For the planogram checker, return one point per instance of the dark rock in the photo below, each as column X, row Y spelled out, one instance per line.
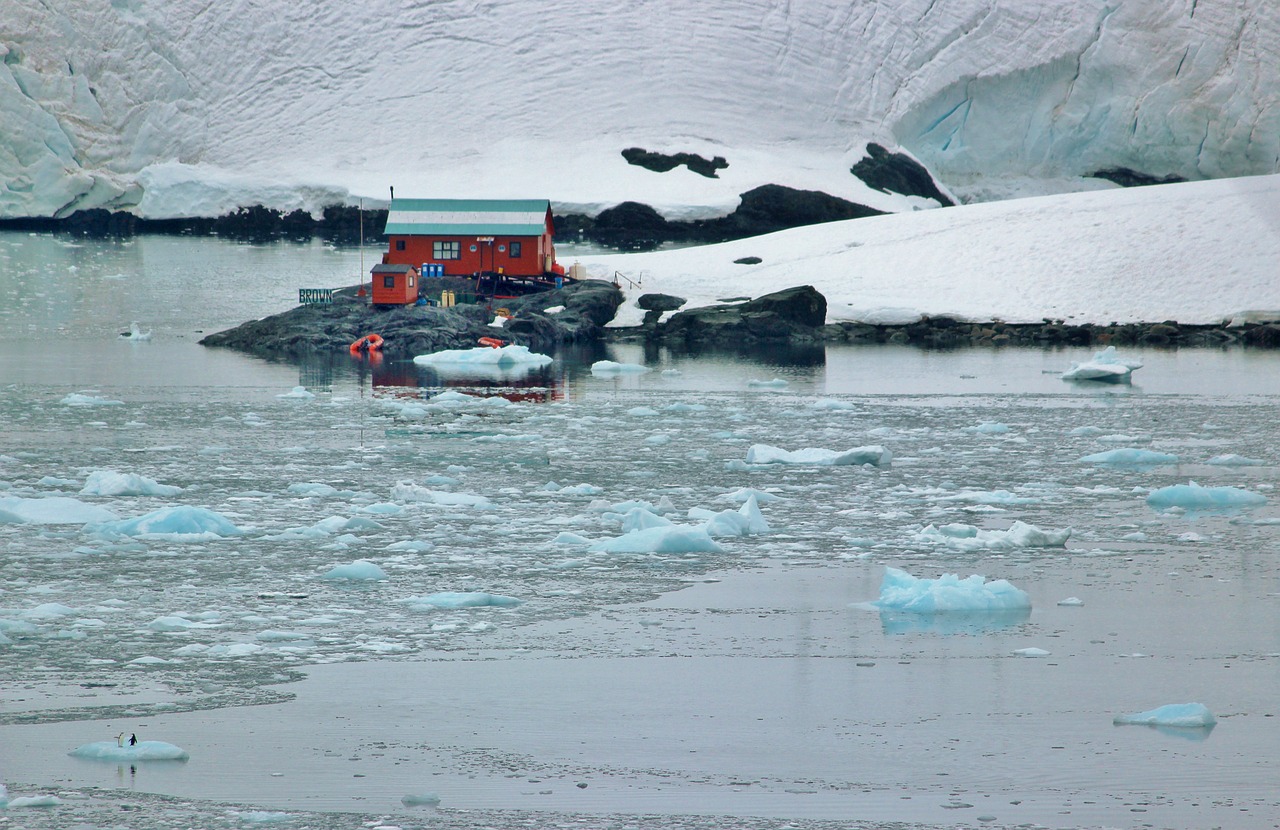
column 748, row 260
column 662, row 162
column 793, row 314
column 898, row 173
column 1125, row 177
column 1267, row 335
column 413, row 330
column 660, row 302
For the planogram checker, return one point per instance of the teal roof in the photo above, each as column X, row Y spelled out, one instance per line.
column 468, row 217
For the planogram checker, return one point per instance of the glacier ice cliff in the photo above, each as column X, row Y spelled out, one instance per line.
column 173, row 108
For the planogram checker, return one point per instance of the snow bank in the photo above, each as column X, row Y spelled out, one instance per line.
column 1184, row 715
column 814, row 456
column 948, row 594
column 142, row 751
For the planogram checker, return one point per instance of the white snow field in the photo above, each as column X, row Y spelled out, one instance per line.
column 181, row 107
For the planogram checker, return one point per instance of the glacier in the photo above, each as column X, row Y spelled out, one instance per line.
column 173, row 108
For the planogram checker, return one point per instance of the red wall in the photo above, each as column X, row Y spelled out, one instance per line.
column 486, row 257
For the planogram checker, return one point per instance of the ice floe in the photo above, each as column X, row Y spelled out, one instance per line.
column 968, row 537
column 362, row 570
column 900, row 591
column 112, row 483
column 142, row 751
column 181, row 523
column 52, row 510
column 875, row 455
column 1130, row 457
column 1181, row 715
column 1106, row 366
column 1192, row 496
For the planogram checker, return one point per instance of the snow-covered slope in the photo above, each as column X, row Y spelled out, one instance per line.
column 1200, row 252
column 180, row 107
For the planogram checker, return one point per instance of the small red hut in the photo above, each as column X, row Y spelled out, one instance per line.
column 468, row 237
column 394, row 284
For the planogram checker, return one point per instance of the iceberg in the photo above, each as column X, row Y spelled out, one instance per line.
column 142, row 751
column 174, row 523
column 607, row 368
column 1181, row 715
column 111, row 483
column 503, row 363
column 875, row 455
column 948, row 594
column 1130, row 457
column 672, row 539
column 54, row 510
column 1019, row 535
column 1192, row 496
column 1106, row 366
column 455, row 599
column 360, row 570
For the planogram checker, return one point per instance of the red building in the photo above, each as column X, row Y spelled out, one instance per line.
column 394, row 284
column 472, row 237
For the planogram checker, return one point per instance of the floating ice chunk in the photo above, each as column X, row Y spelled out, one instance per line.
column 174, row 622
column 142, row 751
column 579, row 490
column 604, row 368
column 1183, row 715
column 273, row 636
column 1031, row 652
column 360, row 570
column 671, row 373
column 383, row 509
column 948, row 593
column 1233, row 460
column 1194, row 497
column 411, row 546
column 744, row 493
column 1087, row 431
column 642, row 411
column 54, row 510
column 773, row 383
column 684, row 407
column 832, row 405
column 80, row 399
column 1130, row 457
column 1105, row 366
column 408, row 491
column 1019, row 535
column 989, row 428
column 640, row 518
column 989, row 497
column 48, row 611
column 181, row 523
column 136, row 333
column 33, row 801
column 299, row 393
column 673, row 539
column 454, row 599
column 1071, row 602
column 511, row 355
column 111, row 483
column 570, row 539
column 262, row 816
column 421, row 799
column 744, row 521
column 814, row 456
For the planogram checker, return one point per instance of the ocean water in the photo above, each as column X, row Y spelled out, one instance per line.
column 752, row 686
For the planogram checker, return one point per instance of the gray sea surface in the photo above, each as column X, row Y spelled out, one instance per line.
column 754, row 687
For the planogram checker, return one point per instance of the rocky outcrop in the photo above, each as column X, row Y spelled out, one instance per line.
column 898, row 173
column 794, row 314
column 414, row 330
column 662, row 162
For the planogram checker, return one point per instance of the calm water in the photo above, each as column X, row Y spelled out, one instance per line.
column 750, row 687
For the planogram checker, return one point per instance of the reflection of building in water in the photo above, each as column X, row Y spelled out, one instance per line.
column 539, row 385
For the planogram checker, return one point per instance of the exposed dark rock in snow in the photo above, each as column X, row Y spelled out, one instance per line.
column 662, row 162
column 414, row 330
column 1125, row 177
column 791, row 314
column 748, row 260
column 898, row 173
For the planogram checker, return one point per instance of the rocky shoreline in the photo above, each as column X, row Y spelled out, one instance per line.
column 579, row 312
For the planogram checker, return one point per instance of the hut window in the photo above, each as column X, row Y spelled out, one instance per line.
column 399, row 244
column 389, row 281
column 446, row 250
column 515, row 249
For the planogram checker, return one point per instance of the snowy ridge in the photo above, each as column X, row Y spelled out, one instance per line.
column 180, row 107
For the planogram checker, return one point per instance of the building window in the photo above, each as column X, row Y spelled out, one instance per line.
column 515, row 249
column 399, row 244
column 502, row 248
column 389, row 281
column 473, row 249
column 411, row 280
column 446, row 250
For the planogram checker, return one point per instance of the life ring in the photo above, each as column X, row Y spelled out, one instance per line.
column 368, row 343
column 492, row 342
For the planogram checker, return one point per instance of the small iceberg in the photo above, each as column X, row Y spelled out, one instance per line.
column 511, row 362
column 817, row 457
column 142, row 751
column 948, row 594
column 135, row 333
column 362, row 570
column 1106, row 366
column 1180, row 715
column 608, row 368
column 1130, row 457
column 179, row 524
column 1192, row 496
